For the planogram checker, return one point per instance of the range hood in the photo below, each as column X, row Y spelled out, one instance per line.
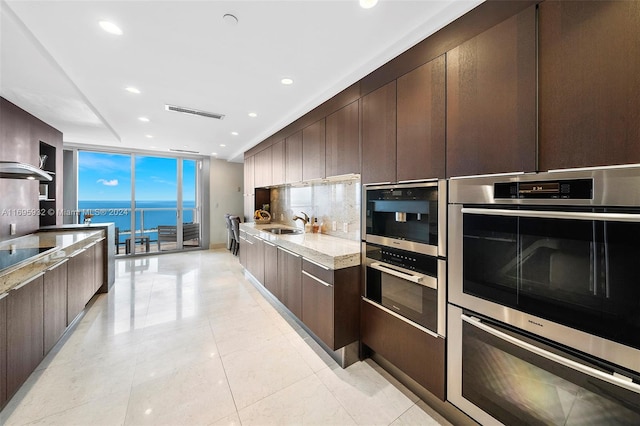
column 15, row 170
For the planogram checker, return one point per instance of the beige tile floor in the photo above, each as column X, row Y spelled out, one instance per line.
column 185, row 339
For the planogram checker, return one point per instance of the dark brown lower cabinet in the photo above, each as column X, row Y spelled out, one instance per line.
column 256, row 258
column 55, row 304
column 25, row 335
column 99, row 262
column 418, row 354
column 271, row 268
column 3, row 350
column 80, row 277
column 330, row 303
column 243, row 251
column 290, row 280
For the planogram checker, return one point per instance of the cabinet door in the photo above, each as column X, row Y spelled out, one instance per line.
column 244, row 249
column 262, row 168
column 257, row 259
column 278, row 163
column 55, row 304
column 248, row 207
column 491, row 100
column 79, row 272
column 317, row 307
column 313, row 151
column 25, row 332
column 271, row 268
column 99, row 262
column 418, row 354
column 293, row 156
column 589, row 81
column 3, row 350
column 290, row 277
column 421, row 122
column 343, row 141
column 379, row 135
column 249, row 181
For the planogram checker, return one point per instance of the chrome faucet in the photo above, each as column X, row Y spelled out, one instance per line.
column 304, row 219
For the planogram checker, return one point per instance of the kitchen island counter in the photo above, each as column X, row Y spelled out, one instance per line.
column 58, row 244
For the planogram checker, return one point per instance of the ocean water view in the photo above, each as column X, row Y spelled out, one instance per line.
column 147, row 213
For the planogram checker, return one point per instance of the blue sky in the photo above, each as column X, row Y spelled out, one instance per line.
column 107, row 177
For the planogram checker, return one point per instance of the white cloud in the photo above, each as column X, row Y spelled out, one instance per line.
column 112, row 182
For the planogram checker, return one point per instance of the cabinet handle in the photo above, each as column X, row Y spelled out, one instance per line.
column 268, row 243
column 35, row 277
column 313, row 277
column 616, row 380
column 326, row 268
column 612, row 217
column 77, row 252
column 62, row 262
column 377, row 183
column 290, row 252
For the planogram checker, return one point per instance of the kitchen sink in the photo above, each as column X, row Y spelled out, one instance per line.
column 283, row 231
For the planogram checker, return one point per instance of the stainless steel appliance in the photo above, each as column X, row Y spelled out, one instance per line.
column 408, row 284
column 409, row 216
column 404, row 248
column 544, row 296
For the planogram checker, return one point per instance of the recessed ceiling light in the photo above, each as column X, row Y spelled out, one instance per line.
column 145, row 119
column 234, row 133
column 253, row 115
column 286, row 81
column 148, row 136
column 132, row 89
column 222, row 145
column 110, row 27
column 214, row 153
column 368, row 4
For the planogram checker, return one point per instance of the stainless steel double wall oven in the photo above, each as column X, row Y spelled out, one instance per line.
column 404, row 230
column 544, row 297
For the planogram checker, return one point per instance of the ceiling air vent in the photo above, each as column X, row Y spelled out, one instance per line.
column 186, row 151
column 193, row 112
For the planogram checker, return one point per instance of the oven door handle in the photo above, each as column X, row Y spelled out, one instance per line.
column 615, row 217
column 418, row 279
column 617, row 380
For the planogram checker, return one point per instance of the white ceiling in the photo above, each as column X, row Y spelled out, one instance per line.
column 59, row 65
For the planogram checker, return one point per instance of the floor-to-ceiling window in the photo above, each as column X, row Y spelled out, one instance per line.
column 152, row 200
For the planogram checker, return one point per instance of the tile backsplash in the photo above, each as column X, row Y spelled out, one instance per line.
column 333, row 201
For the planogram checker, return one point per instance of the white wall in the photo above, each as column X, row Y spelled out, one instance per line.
column 226, row 183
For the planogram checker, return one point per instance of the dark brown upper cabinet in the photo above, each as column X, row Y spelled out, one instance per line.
column 313, row 151
column 343, row 141
column 293, row 158
column 262, row 168
column 491, row 100
column 379, row 135
column 278, row 163
column 249, row 180
column 589, row 76
column 421, row 122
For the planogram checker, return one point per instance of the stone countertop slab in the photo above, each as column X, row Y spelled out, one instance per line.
column 329, row 251
column 61, row 243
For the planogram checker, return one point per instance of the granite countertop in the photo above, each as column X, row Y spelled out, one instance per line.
column 327, row 250
column 61, row 244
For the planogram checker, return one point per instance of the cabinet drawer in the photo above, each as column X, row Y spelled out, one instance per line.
column 418, row 354
column 319, row 271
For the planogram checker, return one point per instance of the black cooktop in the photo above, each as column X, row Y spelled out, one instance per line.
column 10, row 257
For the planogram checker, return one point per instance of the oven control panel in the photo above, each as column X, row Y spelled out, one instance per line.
column 576, row 189
column 405, row 259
